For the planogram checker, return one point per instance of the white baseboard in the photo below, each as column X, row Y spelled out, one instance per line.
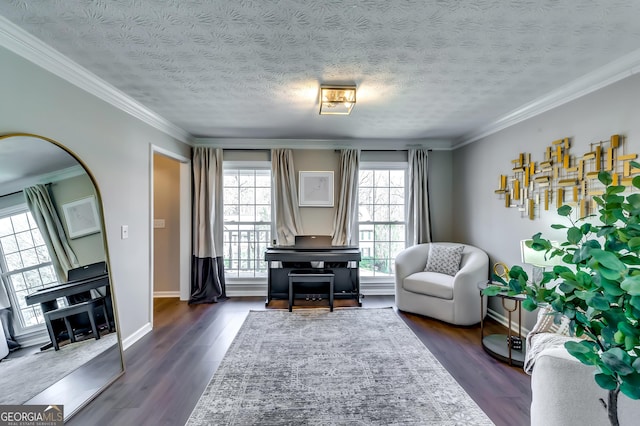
column 137, row 335
column 159, row 294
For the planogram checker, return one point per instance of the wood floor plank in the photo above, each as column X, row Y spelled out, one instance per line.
column 169, row 368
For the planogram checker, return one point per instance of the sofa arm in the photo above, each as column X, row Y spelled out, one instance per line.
column 409, row 261
column 564, row 393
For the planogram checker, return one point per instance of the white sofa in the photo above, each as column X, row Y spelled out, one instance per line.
column 453, row 299
column 563, row 390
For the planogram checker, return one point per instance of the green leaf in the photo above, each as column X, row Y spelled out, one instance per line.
column 634, row 201
column 608, row 260
column 599, row 302
column 605, row 178
column 529, row 305
column 634, row 244
column 611, row 287
column 617, row 360
column 605, row 381
column 636, row 182
column 584, row 351
column 565, row 210
column 492, row 290
column 631, row 285
column 631, row 390
column 574, row 235
column 558, row 226
column 615, row 189
column 635, row 302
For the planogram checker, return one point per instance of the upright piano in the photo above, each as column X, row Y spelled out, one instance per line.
column 310, row 252
column 78, row 289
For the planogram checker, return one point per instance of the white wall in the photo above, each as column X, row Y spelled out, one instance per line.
column 115, row 147
column 480, row 216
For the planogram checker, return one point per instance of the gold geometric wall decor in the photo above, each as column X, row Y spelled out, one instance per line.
column 563, row 178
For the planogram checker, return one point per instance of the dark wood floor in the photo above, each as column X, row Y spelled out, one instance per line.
column 169, row 368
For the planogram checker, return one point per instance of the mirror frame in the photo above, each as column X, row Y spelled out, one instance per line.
column 100, row 208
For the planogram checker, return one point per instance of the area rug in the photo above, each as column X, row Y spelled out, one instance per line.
column 22, row 378
column 348, row 367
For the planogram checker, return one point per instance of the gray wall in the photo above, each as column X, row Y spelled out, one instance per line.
column 115, row 147
column 480, row 216
column 89, row 248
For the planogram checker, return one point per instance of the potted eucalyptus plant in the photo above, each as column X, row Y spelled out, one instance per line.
column 597, row 287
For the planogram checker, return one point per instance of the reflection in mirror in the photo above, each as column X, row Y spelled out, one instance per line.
column 58, row 330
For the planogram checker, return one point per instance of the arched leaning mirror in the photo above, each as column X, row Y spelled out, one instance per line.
column 59, row 342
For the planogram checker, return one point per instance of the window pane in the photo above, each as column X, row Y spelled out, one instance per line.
column 381, row 215
column 381, row 195
column 381, row 178
column 230, row 178
column 26, row 266
column 263, row 196
column 264, row 180
column 14, row 261
column 230, row 195
column 366, row 178
column 9, row 244
column 20, row 222
column 247, row 213
column 396, row 178
column 24, row 240
column 365, row 195
column 247, row 196
column 396, row 213
column 5, row 226
column 245, row 242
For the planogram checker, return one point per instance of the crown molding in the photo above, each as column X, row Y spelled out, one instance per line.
column 365, row 144
column 613, row 72
column 20, row 42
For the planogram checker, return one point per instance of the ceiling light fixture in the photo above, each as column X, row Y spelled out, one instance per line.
column 337, row 100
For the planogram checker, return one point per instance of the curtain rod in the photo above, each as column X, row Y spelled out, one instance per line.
column 11, row 193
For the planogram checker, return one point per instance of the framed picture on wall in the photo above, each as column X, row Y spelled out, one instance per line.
column 81, row 217
column 315, row 189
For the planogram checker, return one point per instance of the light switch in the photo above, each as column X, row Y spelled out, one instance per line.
column 124, row 231
column 158, row 223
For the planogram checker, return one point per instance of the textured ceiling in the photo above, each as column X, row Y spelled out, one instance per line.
column 252, row 69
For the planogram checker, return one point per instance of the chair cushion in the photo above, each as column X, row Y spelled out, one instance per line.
column 430, row 284
column 444, row 259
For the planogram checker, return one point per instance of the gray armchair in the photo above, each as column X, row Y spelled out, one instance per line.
column 453, row 299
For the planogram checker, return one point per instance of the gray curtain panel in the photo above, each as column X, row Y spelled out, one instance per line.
column 345, row 221
column 207, row 269
column 418, row 218
column 285, row 206
column 46, row 216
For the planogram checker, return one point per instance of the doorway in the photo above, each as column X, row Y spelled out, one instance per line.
column 171, row 226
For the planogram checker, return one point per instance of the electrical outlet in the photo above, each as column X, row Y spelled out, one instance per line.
column 124, row 232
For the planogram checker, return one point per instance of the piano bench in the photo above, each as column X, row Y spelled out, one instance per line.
column 321, row 277
column 89, row 307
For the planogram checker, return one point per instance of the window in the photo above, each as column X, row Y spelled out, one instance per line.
column 381, row 219
column 247, row 221
column 25, row 265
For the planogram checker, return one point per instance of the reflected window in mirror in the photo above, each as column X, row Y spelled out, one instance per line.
column 25, row 264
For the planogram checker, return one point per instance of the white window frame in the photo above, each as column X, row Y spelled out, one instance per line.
column 18, row 321
column 250, row 165
column 377, row 165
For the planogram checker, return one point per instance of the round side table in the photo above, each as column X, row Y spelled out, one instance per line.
column 510, row 347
